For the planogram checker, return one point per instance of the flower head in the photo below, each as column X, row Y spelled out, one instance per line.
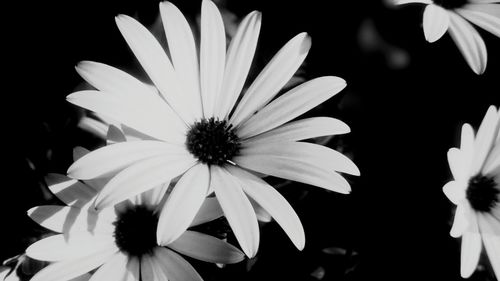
column 121, row 240
column 452, row 16
column 196, row 126
column 476, row 192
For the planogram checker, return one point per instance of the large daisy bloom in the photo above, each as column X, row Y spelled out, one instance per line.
column 453, row 16
column 195, row 125
column 119, row 241
column 476, row 192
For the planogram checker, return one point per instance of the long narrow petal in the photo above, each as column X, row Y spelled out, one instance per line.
column 461, row 221
column 471, row 250
column 65, row 270
column 295, row 170
column 154, row 196
column 133, row 269
column 183, row 204
column 292, row 104
column 150, row 269
column 237, row 209
column 458, row 165
column 436, row 21
column 71, row 219
column 157, row 65
column 301, row 130
column 467, row 146
column 212, row 56
column 314, row 154
column 141, row 177
column 209, row 211
column 469, row 42
column 114, row 269
column 93, row 126
column 239, row 59
column 112, row 158
column 183, row 52
column 274, row 203
column 78, row 245
column 486, row 134
column 206, row 248
column 70, row 191
column 175, row 267
column 145, row 116
column 455, row 191
column 490, row 232
column 484, row 16
column 273, row 77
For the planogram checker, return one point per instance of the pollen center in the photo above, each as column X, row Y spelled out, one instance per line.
column 482, row 193
column 135, row 231
column 212, row 141
column 451, row 4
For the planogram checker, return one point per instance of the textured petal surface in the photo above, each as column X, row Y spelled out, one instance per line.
column 485, row 137
column 273, row 77
column 436, row 21
column 70, row 191
column 485, row 16
column 206, row 248
column 209, row 211
column 175, row 267
column 114, row 269
column 237, row 209
column 292, row 104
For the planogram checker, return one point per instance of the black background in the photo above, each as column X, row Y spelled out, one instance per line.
column 405, row 102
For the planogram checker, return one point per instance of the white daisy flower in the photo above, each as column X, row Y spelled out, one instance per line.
column 452, row 16
column 196, row 126
column 476, row 192
column 120, row 241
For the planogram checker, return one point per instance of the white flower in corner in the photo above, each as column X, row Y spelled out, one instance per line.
column 196, row 127
column 119, row 241
column 452, row 16
column 476, row 192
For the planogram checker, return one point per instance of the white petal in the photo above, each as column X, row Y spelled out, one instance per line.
column 183, row 52
column 153, row 118
column 64, row 270
column 491, row 238
column 486, row 134
column 109, row 79
column 458, row 165
column 209, row 211
column 484, row 16
column 93, row 126
column 295, row 170
column 273, row 77
column 212, row 56
column 79, row 152
column 154, row 196
column 469, row 42
column 70, row 191
column 260, row 212
column 183, row 204
column 313, row 154
column 239, row 59
column 114, row 269
column 175, row 266
column 292, row 104
column 206, row 248
column 115, row 135
column 455, row 191
column 471, row 250
column 462, row 220
column 302, row 129
column 436, row 21
column 151, row 270
column 76, row 245
column 467, row 146
column 237, row 209
column 274, row 203
column 133, row 269
column 71, row 219
column 142, row 176
column 115, row 157
column 157, row 65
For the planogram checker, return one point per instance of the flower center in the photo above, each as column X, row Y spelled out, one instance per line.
column 451, row 4
column 135, row 231
column 212, row 141
column 482, row 193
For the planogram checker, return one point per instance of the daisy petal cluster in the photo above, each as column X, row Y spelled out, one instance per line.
column 119, row 241
column 198, row 125
column 454, row 16
column 476, row 192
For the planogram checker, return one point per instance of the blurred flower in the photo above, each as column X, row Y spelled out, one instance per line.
column 451, row 15
column 196, row 127
column 121, row 238
column 476, row 192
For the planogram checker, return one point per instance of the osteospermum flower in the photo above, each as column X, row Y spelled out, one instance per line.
column 476, row 192
column 452, row 16
column 120, row 241
column 196, row 127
